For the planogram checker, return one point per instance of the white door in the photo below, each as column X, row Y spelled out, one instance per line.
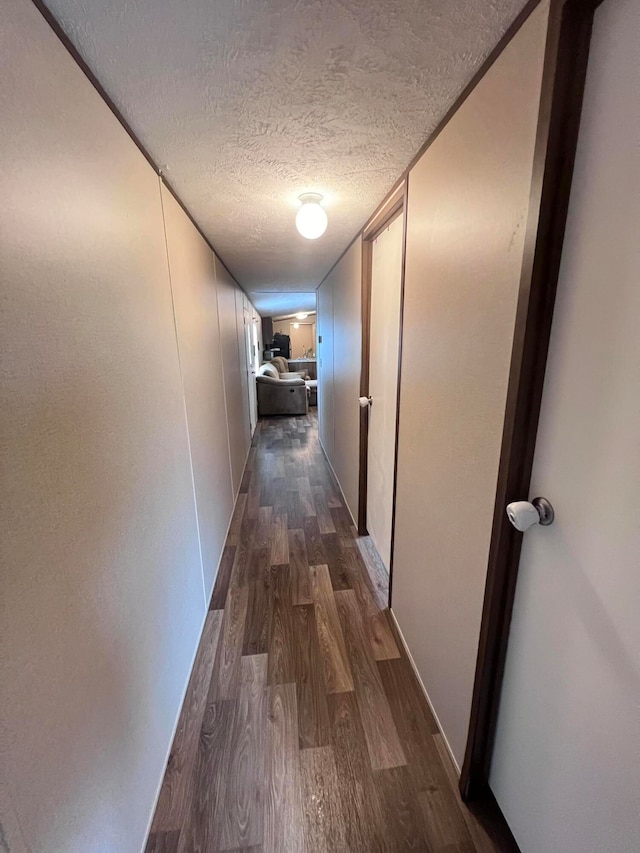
column 250, row 341
column 566, row 764
column 386, row 271
column 243, row 355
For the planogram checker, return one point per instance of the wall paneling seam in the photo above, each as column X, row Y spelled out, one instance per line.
column 234, row 494
column 405, row 213
column 342, row 495
column 184, row 398
column 154, row 805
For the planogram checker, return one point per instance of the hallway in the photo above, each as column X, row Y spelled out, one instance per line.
column 303, row 726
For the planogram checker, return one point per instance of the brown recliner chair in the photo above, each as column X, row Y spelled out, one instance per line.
column 282, row 366
column 277, row 396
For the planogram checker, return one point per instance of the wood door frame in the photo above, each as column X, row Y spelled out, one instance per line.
column 393, row 206
column 565, row 67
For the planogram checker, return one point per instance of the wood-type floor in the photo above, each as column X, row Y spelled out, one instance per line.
column 303, row 726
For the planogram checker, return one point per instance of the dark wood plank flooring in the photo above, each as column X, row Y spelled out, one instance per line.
column 304, row 728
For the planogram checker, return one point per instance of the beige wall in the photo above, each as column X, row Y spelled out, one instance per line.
column 103, row 593
column 240, row 300
column 235, row 389
column 340, row 352
column 467, row 214
column 193, row 284
column 303, row 338
column 326, row 420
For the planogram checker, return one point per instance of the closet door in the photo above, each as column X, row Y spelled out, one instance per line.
column 386, row 283
column 565, row 765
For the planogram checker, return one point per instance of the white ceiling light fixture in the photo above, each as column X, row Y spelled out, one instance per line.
column 311, row 219
column 296, row 325
column 301, row 316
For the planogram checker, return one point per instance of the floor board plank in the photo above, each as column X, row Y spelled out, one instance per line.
column 256, row 633
column 337, row 561
column 280, row 541
column 163, row 842
column 263, row 536
column 239, row 817
column 445, row 829
column 401, row 811
column 284, row 821
column 175, row 793
column 295, row 517
column 233, row 536
column 376, row 574
column 313, row 714
column 225, row 680
column 482, row 840
column 383, row 741
column 323, row 513
column 322, row 806
column 299, row 565
column 281, row 629
column 305, row 497
column 223, row 578
column 414, row 722
column 376, row 621
column 356, row 788
column 315, row 546
column 239, row 575
column 333, row 653
column 304, row 727
column 198, row 831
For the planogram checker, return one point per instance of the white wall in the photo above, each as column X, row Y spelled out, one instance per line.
column 103, row 593
column 303, row 338
column 241, row 303
column 340, row 324
column 235, row 389
column 468, row 201
column 193, row 285
column 565, row 768
column 326, row 421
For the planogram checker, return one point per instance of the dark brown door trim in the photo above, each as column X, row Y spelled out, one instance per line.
column 398, row 381
column 391, row 207
column 560, row 108
column 364, row 386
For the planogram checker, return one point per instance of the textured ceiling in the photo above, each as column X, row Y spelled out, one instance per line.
column 278, row 304
column 245, row 104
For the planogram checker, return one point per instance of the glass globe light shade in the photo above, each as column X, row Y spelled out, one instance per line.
column 311, row 219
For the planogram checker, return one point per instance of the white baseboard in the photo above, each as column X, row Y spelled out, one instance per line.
column 173, row 734
column 344, row 500
column 399, row 630
column 193, row 660
column 424, row 690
